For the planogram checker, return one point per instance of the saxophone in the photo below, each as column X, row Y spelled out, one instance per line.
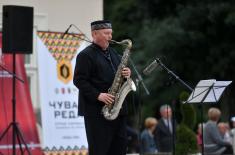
column 119, row 88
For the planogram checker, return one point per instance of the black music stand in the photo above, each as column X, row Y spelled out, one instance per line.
column 16, row 132
column 207, row 91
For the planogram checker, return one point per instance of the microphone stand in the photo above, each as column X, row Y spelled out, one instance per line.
column 76, row 35
column 139, row 77
column 11, row 73
column 172, row 74
column 87, row 39
column 139, row 80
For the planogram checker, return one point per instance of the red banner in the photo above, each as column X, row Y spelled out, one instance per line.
column 24, row 111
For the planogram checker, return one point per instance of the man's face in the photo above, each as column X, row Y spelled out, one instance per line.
column 102, row 37
column 166, row 113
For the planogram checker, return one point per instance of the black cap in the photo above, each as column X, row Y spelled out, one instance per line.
column 101, row 24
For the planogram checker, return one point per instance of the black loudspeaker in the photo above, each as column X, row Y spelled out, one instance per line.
column 17, row 31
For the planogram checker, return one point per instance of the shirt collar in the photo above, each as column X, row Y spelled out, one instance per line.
column 97, row 46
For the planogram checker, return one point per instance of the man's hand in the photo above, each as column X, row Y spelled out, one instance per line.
column 106, row 98
column 126, row 72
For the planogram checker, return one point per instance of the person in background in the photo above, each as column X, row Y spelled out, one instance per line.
column 147, row 144
column 213, row 141
column 225, row 132
column 164, row 130
column 233, row 133
column 199, row 137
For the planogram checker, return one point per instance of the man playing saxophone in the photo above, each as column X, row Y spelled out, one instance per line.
column 94, row 73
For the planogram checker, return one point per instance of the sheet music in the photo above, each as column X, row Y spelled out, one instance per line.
column 222, row 83
column 217, row 91
column 202, row 89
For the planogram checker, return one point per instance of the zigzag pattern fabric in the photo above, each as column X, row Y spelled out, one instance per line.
column 61, row 48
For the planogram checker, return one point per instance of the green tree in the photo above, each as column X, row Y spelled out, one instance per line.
column 186, row 141
column 193, row 38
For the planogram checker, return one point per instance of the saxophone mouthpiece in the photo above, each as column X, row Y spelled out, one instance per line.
column 126, row 42
column 113, row 42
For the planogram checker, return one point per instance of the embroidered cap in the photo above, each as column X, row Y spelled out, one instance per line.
column 101, row 24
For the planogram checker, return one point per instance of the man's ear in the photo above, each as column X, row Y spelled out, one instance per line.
column 93, row 33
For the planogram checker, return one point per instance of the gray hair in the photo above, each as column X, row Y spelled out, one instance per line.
column 163, row 107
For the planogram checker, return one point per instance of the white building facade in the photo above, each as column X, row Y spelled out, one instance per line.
column 55, row 16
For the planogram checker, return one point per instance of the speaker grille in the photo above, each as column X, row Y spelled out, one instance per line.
column 17, row 29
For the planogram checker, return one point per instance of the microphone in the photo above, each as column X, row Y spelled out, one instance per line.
column 150, row 67
column 67, row 30
column 75, row 35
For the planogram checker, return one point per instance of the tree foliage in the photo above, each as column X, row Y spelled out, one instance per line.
column 186, row 141
column 193, row 38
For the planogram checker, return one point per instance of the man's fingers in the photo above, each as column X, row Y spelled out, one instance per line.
column 106, row 98
column 125, row 69
column 111, row 96
column 126, row 72
column 109, row 100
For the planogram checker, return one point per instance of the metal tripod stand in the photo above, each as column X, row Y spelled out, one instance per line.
column 16, row 132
